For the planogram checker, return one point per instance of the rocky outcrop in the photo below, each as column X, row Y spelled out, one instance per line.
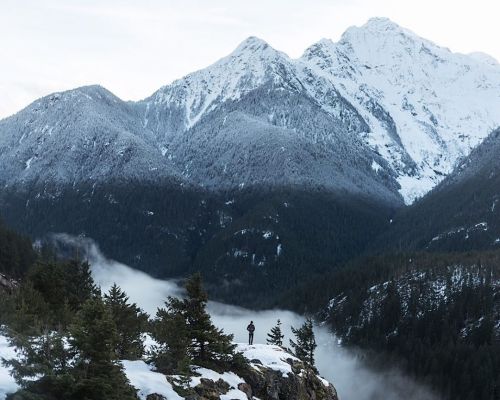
column 303, row 383
column 6, row 284
column 275, row 375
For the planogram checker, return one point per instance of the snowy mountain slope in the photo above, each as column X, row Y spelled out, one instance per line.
column 261, row 127
column 254, row 118
column 426, row 106
column 421, row 292
column 382, row 112
column 237, row 146
column 253, row 63
column 86, row 134
column 418, row 105
column 461, row 213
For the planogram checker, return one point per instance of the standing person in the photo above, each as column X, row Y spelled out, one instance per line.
column 251, row 330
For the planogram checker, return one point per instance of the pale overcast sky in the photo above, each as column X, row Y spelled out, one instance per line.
column 132, row 47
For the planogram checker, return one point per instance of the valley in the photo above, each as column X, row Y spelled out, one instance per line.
column 356, row 185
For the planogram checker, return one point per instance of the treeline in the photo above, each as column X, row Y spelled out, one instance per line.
column 437, row 316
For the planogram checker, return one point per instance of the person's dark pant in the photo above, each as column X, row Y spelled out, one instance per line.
column 250, row 338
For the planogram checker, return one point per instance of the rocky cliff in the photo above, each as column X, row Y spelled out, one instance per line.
column 271, row 374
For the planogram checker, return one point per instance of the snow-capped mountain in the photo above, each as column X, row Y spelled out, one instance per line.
column 381, row 113
column 86, row 134
column 461, row 213
column 425, row 106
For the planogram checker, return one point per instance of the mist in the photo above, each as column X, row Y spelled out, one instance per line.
column 344, row 368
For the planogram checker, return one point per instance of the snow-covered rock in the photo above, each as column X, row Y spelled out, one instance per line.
column 147, row 381
column 273, row 373
column 267, row 356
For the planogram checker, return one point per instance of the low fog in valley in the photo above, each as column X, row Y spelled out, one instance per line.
column 342, row 367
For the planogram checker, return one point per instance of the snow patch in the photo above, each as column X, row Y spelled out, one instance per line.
column 147, row 381
column 7, row 382
column 272, row 357
column 28, row 162
column 376, row 166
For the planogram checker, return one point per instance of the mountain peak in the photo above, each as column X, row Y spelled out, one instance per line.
column 253, row 46
column 381, row 23
column 253, row 43
column 375, row 27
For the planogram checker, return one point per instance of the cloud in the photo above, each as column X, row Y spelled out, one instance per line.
column 344, row 368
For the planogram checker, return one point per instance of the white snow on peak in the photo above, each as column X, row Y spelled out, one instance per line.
column 485, row 58
column 426, row 106
column 247, row 67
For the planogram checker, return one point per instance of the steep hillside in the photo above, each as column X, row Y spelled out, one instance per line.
column 83, row 135
column 425, row 106
column 261, row 239
column 260, row 166
column 461, row 213
column 382, row 112
column 436, row 316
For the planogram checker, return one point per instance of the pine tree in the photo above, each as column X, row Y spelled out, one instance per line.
column 94, row 338
column 186, row 335
column 208, row 344
column 64, row 286
column 130, row 322
column 306, row 342
column 275, row 337
column 169, row 329
column 44, row 355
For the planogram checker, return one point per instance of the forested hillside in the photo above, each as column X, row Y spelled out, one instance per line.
column 260, row 239
column 437, row 316
column 16, row 252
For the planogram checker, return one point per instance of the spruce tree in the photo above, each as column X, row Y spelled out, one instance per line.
column 169, row 329
column 306, row 342
column 209, row 344
column 205, row 344
column 275, row 337
column 64, row 286
column 93, row 338
column 44, row 357
column 130, row 323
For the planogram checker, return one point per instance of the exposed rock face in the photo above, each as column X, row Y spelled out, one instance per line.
column 267, row 384
column 6, row 284
column 302, row 384
column 271, row 374
column 155, row 396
